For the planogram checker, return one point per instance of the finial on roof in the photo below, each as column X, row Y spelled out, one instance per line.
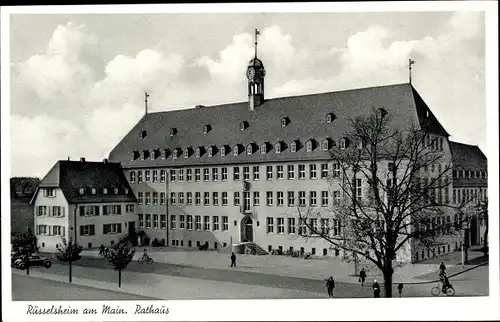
column 146, row 95
column 256, row 34
column 410, row 62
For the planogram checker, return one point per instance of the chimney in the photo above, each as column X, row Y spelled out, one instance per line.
column 69, row 159
column 105, row 161
column 82, row 159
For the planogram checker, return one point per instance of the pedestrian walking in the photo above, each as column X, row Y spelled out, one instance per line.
column 330, row 285
column 400, row 289
column 233, row 260
column 362, row 276
column 442, row 269
column 376, row 289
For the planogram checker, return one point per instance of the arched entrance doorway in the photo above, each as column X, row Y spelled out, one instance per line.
column 247, row 229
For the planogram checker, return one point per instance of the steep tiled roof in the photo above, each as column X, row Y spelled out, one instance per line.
column 306, row 120
column 70, row 176
column 466, row 156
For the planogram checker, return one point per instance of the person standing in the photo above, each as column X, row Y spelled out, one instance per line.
column 400, row 289
column 442, row 269
column 233, row 260
column 376, row 289
column 362, row 276
column 330, row 285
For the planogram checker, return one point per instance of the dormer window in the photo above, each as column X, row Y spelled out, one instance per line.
column 243, row 125
column 206, row 128
column 293, row 146
column 359, row 145
column 175, row 154
column 330, row 117
column 223, row 151
column 325, row 145
column 211, row 151
column 343, row 143
column 382, row 112
column 104, row 191
column 250, row 149
column 133, row 155
column 278, row 147
column 309, row 145
column 165, row 153
column 142, row 134
column 263, row 148
column 236, row 149
column 116, row 191
column 284, row 121
column 199, row 151
column 153, row 154
column 186, row 153
column 173, row 131
column 81, row 191
column 126, row 191
column 144, row 154
column 93, row 191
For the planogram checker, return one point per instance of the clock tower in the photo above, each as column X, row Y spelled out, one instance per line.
column 255, row 76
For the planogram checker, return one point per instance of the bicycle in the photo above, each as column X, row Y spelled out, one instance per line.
column 146, row 259
column 448, row 290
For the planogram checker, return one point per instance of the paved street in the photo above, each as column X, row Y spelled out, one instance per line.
column 168, row 281
column 27, row 288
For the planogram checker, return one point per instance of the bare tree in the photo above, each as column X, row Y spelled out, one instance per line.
column 119, row 256
column 390, row 191
column 483, row 215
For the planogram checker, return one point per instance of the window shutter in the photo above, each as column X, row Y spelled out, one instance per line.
column 50, row 230
column 104, row 229
column 82, row 211
column 119, row 228
column 63, row 231
column 97, row 210
column 81, row 230
column 62, row 211
column 37, row 230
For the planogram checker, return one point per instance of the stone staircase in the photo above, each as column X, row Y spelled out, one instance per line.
column 251, row 246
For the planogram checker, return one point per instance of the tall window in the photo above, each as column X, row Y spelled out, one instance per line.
column 256, row 198
column 236, row 173
column 189, row 198
column 181, row 198
column 281, row 225
column 224, row 198
column 155, row 221
column 291, row 172
column 302, row 198
column 324, row 198
column 291, row 226
column 206, row 198
column 279, row 172
column 324, row 170
column 279, row 198
column 269, row 172
column 336, row 197
column 215, row 198
column 148, row 221
column 302, row 171
column 206, row 174
column 197, row 198
column 141, row 220
column 197, row 222
column 336, row 169
column 148, row 175
column 324, row 226
column 139, row 176
column 189, row 222
column 215, row 223
column 359, row 190
column 172, row 198
column 215, row 174
column 197, row 174
column 182, row 221
column 224, row 174
column 225, row 223
column 132, row 177
column 236, row 198
column 256, row 173
column 155, row 175
column 172, row 175
column 163, row 221
column 155, row 198
column 162, row 198
column 246, row 200
column 270, row 225
column 291, row 199
column 312, row 199
column 189, row 174
column 312, row 171
column 206, row 223
column 246, row 173
column 181, row 174
column 140, row 198
column 269, row 198
column 148, row 198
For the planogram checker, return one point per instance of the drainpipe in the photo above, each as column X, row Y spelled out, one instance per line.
column 75, row 228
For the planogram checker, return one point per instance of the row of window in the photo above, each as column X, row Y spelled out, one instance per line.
column 91, row 210
column 110, row 228
column 469, row 174
column 293, row 198
column 291, row 171
column 330, row 117
column 48, row 230
column 279, row 147
column 325, row 226
column 461, row 195
column 51, row 211
column 157, row 222
column 105, row 191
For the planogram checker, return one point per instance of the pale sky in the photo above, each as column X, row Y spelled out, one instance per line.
column 78, row 81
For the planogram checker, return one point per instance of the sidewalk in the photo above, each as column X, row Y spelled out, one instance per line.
column 316, row 268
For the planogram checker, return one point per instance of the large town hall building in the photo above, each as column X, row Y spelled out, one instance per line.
column 232, row 173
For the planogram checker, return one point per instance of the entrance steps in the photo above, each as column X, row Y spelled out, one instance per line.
column 251, row 246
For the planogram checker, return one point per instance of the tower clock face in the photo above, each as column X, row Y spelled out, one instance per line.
column 262, row 73
column 250, row 73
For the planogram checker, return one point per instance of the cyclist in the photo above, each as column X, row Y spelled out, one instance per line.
column 444, row 280
column 145, row 255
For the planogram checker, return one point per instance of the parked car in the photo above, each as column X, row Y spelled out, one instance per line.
column 34, row 261
column 14, row 256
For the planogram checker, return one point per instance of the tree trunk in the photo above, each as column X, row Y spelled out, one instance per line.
column 388, row 271
column 70, row 272
column 120, row 278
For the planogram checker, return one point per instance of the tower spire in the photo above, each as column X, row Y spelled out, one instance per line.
column 256, row 34
column 410, row 62
column 146, row 95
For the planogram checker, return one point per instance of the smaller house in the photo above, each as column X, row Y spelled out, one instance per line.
column 90, row 203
